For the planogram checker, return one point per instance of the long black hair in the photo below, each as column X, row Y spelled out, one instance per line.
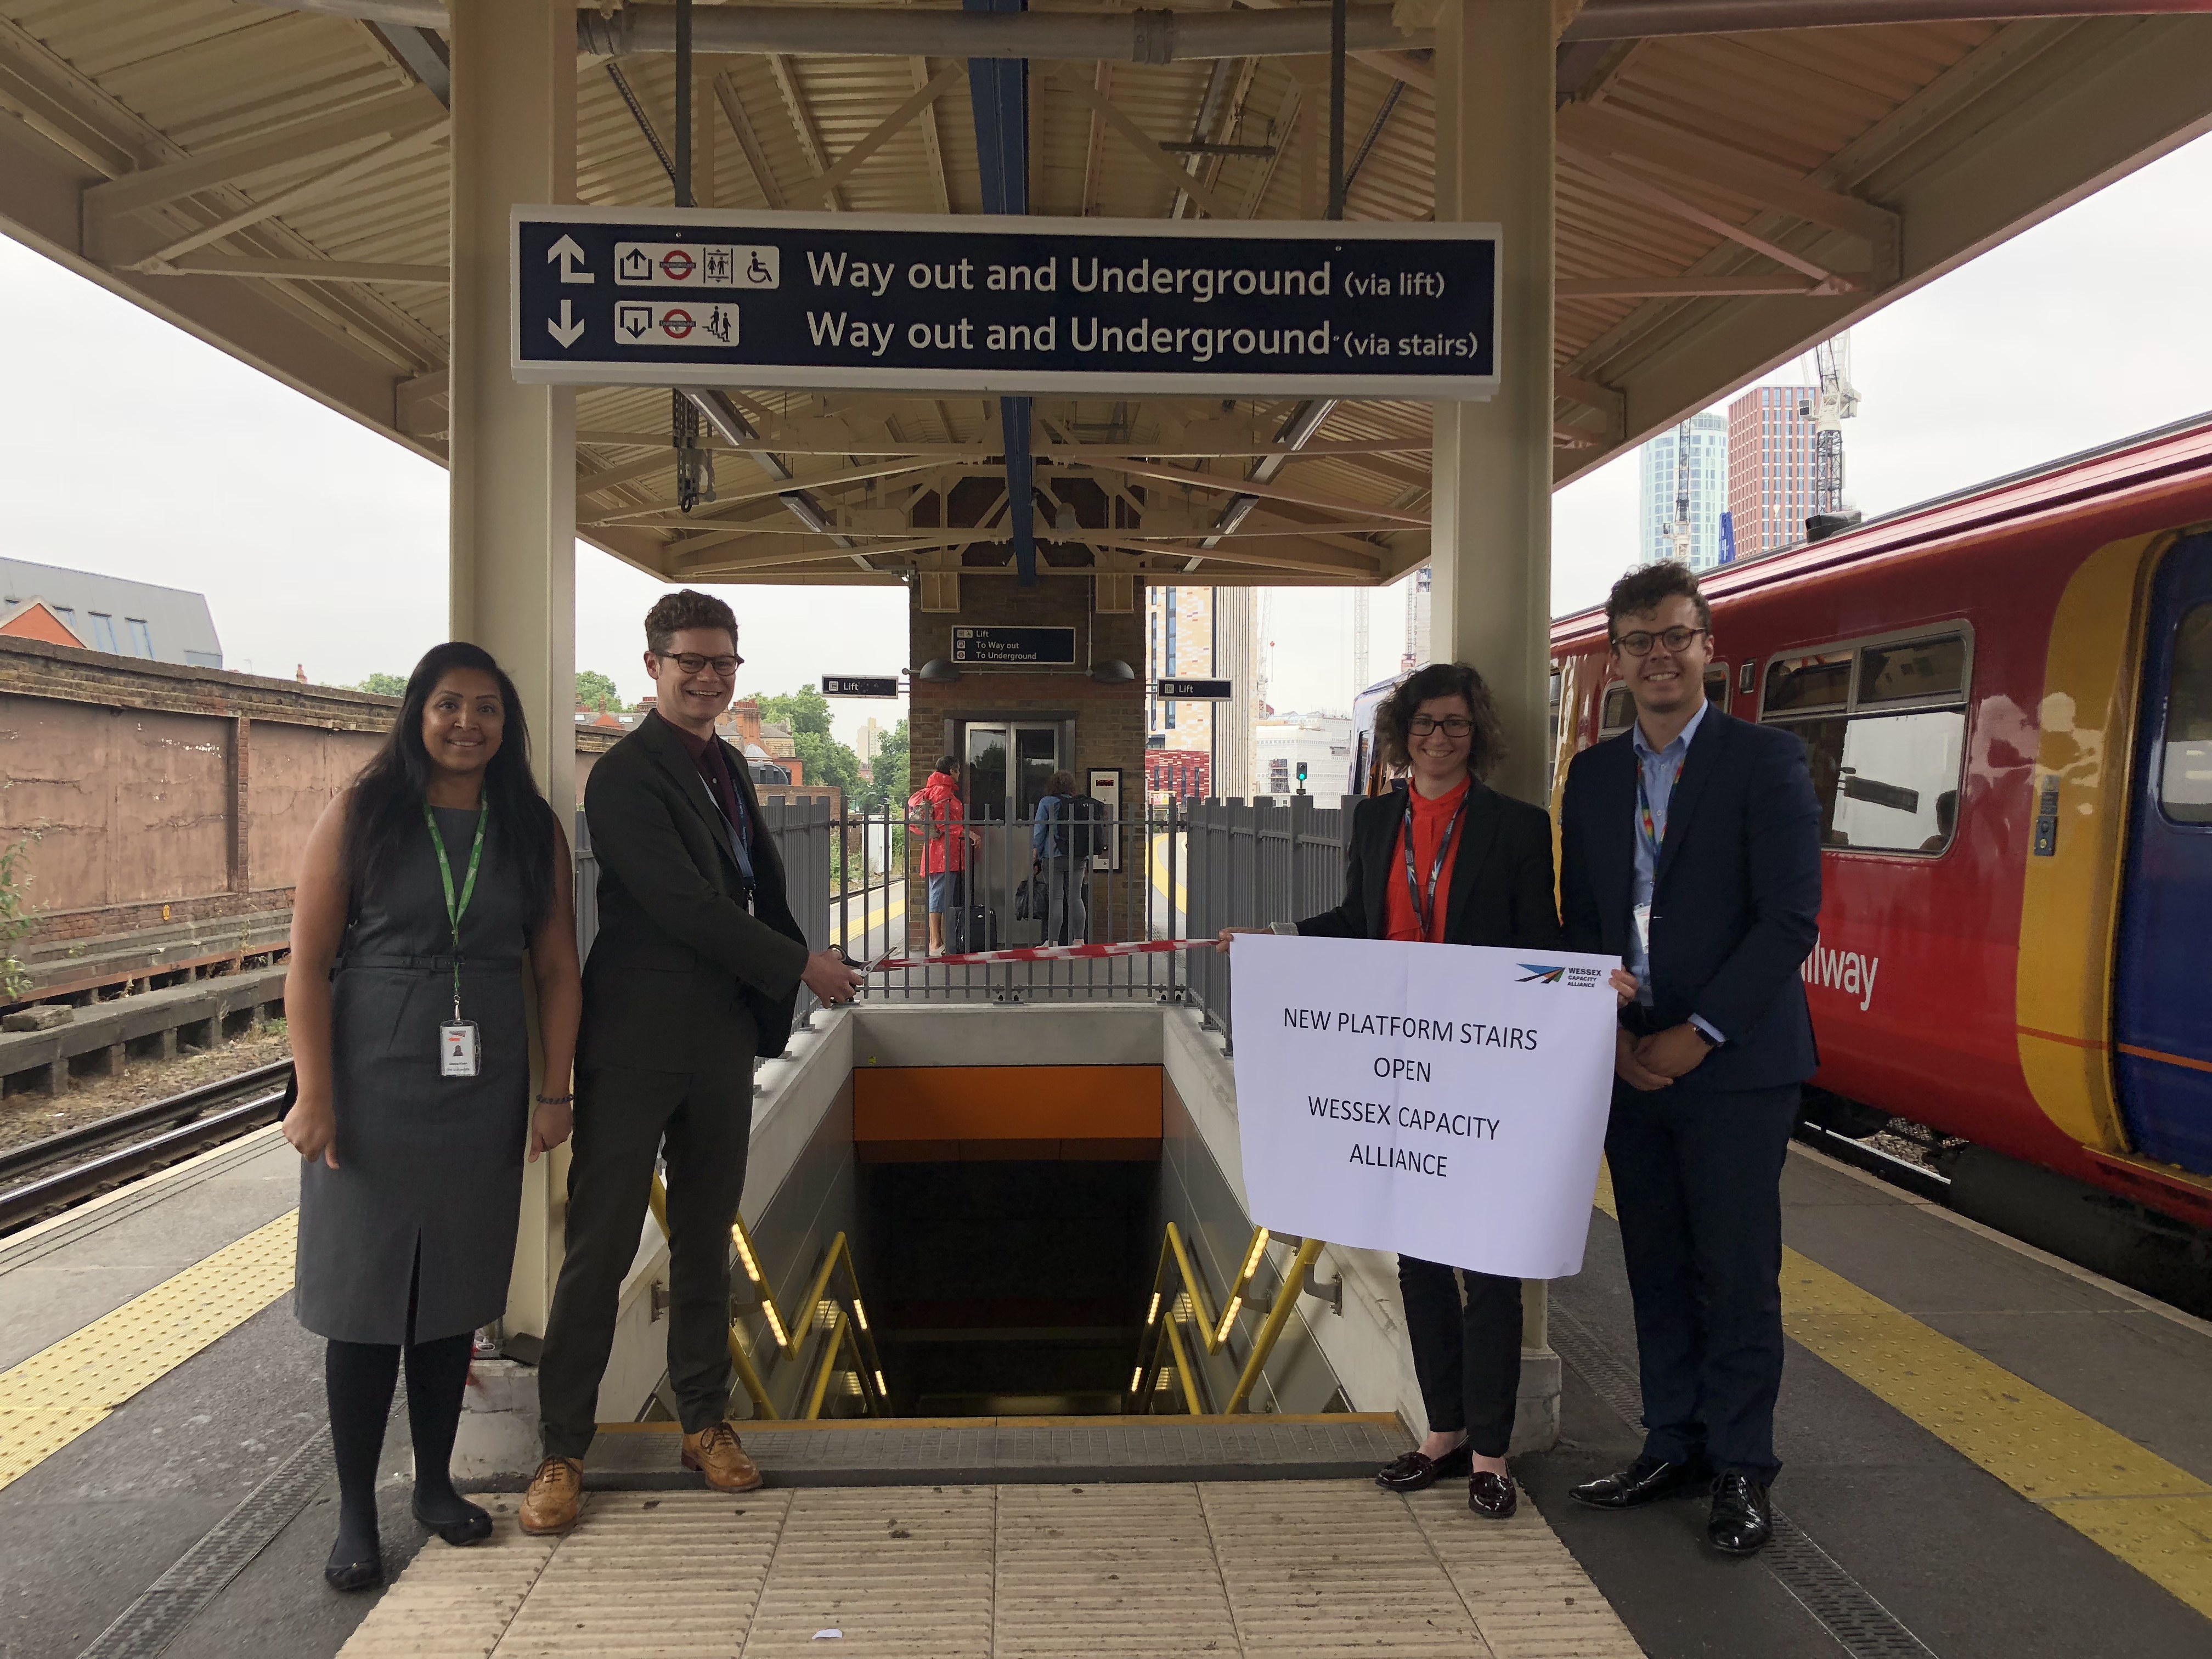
column 387, row 796
column 1393, row 720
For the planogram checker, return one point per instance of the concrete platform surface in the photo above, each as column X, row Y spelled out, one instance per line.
column 1017, row 1450
column 1288, row 1569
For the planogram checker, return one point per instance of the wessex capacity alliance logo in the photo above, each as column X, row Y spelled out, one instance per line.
column 1538, row 973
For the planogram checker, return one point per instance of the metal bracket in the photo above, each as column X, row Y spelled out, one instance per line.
column 1331, row 1293
column 660, row 1300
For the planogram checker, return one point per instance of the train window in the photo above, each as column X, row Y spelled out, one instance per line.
column 1619, row 712
column 1820, row 680
column 1917, row 671
column 2184, row 788
column 1885, row 763
column 1717, row 685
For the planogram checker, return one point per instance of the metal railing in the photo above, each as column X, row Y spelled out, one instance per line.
column 837, row 1316
column 1179, row 1298
column 1252, row 864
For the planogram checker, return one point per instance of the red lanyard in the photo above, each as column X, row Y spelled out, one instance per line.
column 1422, row 908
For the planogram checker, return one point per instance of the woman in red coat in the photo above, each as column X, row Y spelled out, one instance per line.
column 935, row 811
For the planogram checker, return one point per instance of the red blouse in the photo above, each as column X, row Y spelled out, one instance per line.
column 1430, row 817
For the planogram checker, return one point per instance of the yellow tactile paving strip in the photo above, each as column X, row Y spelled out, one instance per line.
column 2153, row 1515
column 61, row 1392
column 1263, row 1570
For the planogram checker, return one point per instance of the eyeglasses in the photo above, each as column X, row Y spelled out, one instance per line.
column 1639, row 643
column 1452, row 726
column 692, row 663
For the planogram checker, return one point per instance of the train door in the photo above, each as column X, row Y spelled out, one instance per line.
column 1009, row 767
column 2162, row 1043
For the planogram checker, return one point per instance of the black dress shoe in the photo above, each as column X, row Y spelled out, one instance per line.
column 1491, row 1496
column 1743, row 1520
column 471, row 1528
column 1411, row 1472
column 353, row 1575
column 1647, row 1481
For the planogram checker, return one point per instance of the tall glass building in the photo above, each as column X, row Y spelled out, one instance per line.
column 1688, row 463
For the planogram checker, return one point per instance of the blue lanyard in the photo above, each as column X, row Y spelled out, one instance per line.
column 1424, row 907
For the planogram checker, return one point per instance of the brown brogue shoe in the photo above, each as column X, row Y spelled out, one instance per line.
column 715, row 1453
column 556, row 1494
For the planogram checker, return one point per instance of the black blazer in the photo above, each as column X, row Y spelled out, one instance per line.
column 1501, row 884
column 1735, row 900
column 677, row 953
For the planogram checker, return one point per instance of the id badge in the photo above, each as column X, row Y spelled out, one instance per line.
column 457, row 1048
column 1642, row 915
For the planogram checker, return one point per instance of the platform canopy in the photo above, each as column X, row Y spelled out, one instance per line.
column 275, row 179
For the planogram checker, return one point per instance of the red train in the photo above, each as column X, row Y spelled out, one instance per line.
column 2006, row 698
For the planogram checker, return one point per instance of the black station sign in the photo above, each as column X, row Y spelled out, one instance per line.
column 636, row 297
column 859, row 685
column 1045, row 646
column 1194, row 690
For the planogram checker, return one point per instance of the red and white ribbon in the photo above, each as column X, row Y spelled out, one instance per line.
column 1042, row 953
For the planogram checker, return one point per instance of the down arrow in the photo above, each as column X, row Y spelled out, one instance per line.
column 567, row 329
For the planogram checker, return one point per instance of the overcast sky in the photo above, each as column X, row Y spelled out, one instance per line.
column 128, row 447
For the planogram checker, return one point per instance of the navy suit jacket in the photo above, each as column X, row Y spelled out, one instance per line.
column 1736, row 902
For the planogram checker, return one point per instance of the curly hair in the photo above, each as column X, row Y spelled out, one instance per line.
column 687, row 607
column 1643, row 589
column 1392, row 738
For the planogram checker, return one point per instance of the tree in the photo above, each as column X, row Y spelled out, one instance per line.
column 384, row 685
column 805, row 714
column 595, row 690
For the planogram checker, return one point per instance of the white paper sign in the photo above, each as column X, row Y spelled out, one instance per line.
column 1446, row 1101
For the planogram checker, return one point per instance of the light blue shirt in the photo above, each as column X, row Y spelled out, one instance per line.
column 1660, row 766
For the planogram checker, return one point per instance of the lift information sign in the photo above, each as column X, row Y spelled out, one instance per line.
column 1195, row 690
column 859, row 685
column 1052, row 646
column 632, row 297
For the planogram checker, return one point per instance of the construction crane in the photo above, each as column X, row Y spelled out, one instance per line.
column 1836, row 403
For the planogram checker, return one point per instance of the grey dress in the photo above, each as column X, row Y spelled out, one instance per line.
column 425, row 1163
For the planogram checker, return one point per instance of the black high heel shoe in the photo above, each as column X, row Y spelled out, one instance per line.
column 1413, row 1472
column 471, row 1528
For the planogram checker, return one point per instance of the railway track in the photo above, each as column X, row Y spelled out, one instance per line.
column 48, row 1175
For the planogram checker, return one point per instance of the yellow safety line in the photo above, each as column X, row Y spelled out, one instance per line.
column 63, row 1391
column 2151, row 1514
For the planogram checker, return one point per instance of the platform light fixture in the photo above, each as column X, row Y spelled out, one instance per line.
column 1112, row 672
column 937, row 671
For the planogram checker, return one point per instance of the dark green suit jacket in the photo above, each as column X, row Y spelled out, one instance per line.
column 677, row 955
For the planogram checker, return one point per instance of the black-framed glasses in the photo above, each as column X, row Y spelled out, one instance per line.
column 692, row 663
column 1639, row 643
column 1452, row 726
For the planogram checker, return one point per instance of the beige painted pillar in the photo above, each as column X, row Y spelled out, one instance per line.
column 1491, row 600
column 514, row 447
column 1491, row 541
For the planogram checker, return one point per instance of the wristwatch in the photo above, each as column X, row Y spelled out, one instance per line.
column 1704, row 1035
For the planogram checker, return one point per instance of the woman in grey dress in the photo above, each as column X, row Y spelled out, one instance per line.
column 426, row 890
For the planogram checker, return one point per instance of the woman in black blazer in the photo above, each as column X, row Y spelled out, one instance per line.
column 1479, row 872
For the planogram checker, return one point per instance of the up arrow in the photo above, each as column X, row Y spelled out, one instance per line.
column 571, row 258
column 568, row 328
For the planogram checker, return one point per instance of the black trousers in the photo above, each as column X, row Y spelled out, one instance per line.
column 1697, row 1180
column 624, row 1114
column 1466, row 1352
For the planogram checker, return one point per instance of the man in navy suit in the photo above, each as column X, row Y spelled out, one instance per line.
column 1691, row 848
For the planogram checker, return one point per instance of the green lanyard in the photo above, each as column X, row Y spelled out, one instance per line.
column 456, row 909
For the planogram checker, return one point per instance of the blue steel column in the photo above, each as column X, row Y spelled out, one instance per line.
column 999, row 89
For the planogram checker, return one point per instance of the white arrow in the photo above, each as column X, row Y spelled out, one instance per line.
column 566, row 329
column 571, row 257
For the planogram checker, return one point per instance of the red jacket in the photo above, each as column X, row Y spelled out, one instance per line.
column 940, row 817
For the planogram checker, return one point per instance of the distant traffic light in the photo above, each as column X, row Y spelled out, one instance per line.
column 1302, row 777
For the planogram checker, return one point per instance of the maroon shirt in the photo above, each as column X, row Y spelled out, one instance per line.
column 708, row 755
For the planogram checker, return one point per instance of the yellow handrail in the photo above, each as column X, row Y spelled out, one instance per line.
column 790, row 1338
column 1161, row 1345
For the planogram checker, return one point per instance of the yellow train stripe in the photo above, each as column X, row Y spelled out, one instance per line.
column 2131, row 1503
column 59, row 1393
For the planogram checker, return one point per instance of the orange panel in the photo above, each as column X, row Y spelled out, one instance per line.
column 1006, row 1102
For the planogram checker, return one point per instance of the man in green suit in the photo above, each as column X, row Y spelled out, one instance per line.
column 695, row 970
